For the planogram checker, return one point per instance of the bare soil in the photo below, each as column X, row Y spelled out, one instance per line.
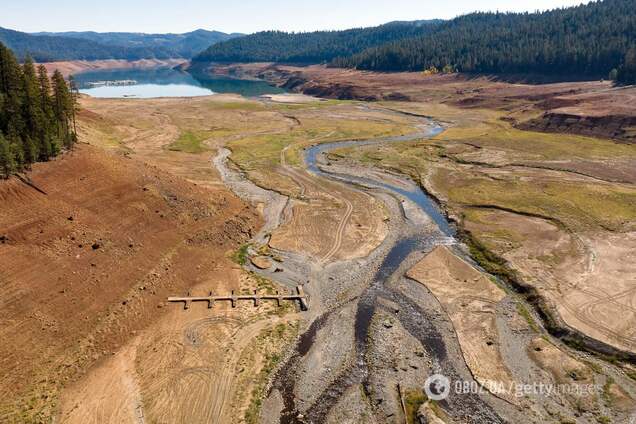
column 90, row 251
column 76, row 66
column 470, row 299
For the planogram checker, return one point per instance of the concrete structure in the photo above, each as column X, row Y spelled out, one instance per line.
column 256, row 298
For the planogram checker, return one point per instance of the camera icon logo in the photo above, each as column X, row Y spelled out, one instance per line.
column 437, row 387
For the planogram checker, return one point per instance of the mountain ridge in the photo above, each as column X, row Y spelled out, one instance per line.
column 91, row 45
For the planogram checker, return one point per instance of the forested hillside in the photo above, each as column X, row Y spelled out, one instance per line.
column 589, row 40
column 310, row 47
column 44, row 48
column 37, row 114
column 627, row 70
column 175, row 45
column 47, row 47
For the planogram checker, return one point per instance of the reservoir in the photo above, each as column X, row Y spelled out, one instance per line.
column 165, row 82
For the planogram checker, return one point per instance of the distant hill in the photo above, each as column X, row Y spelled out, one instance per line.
column 178, row 45
column 47, row 47
column 589, row 39
column 310, row 47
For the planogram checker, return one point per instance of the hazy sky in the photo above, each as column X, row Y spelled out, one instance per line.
column 237, row 15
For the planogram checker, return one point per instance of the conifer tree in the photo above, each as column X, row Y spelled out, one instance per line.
column 31, row 110
column 11, row 87
column 33, row 114
column 74, row 90
column 62, row 107
column 46, row 131
column 7, row 161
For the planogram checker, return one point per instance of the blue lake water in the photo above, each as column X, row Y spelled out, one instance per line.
column 167, row 82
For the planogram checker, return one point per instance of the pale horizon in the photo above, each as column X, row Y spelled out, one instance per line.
column 249, row 16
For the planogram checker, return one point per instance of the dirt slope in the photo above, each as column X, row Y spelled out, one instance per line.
column 89, row 253
column 76, row 66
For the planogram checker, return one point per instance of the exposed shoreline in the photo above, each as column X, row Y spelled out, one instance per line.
column 72, row 67
column 593, row 108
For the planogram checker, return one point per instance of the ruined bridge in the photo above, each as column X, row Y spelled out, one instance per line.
column 299, row 296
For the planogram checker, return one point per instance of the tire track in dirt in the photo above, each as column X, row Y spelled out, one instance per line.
column 223, row 389
column 298, row 179
column 342, row 223
column 112, row 395
column 340, row 232
column 583, row 313
column 196, row 389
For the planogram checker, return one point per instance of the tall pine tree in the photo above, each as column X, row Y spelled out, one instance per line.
column 35, row 115
column 7, row 161
column 46, row 133
column 31, row 111
column 62, row 108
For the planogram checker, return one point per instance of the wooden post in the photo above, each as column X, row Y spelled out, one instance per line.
column 399, row 389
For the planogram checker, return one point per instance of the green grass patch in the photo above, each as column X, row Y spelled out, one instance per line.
column 490, row 131
column 491, row 262
column 523, row 311
column 575, row 204
column 607, row 393
column 308, row 105
column 189, row 142
column 269, row 343
column 253, row 410
column 413, row 399
column 240, row 255
column 262, row 153
column 237, row 105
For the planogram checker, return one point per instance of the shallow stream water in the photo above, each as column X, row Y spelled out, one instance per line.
column 412, row 317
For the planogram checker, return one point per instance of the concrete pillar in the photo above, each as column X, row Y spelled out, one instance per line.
column 302, row 298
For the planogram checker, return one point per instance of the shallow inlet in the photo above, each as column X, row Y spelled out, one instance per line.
column 167, row 82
